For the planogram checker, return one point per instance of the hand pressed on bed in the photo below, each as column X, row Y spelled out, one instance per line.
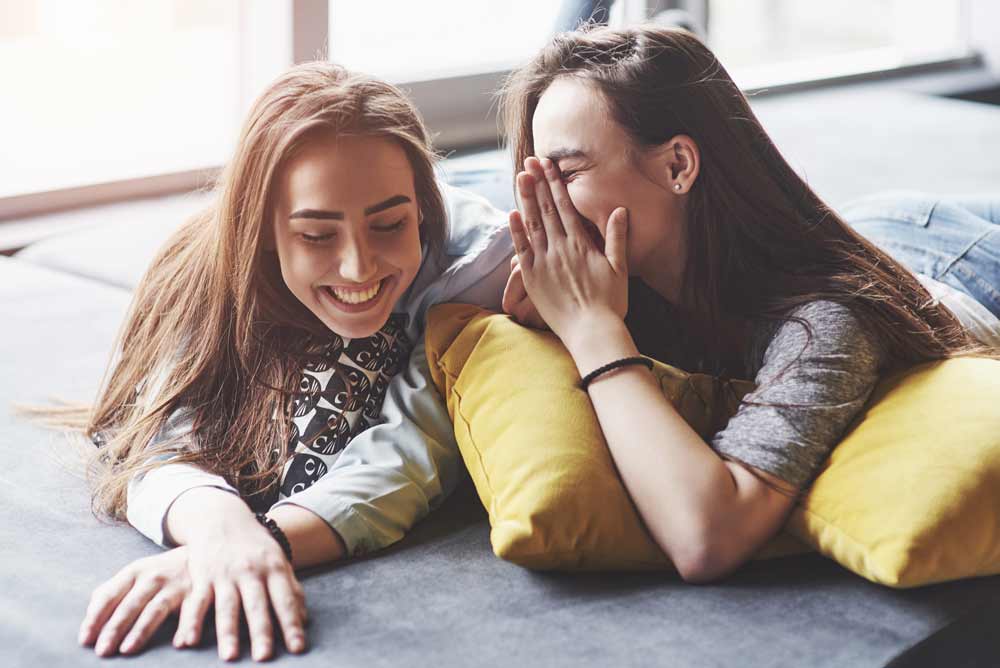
column 571, row 282
column 242, row 567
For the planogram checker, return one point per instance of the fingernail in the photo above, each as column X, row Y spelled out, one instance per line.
column 127, row 645
column 192, row 638
column 296, row 643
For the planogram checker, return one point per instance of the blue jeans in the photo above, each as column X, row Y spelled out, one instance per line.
column 953, row 240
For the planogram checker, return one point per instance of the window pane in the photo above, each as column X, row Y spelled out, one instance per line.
column 419, row 40
column 105, row 90
column 753, row 33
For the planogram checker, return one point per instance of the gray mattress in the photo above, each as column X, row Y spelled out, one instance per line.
column 440, row 598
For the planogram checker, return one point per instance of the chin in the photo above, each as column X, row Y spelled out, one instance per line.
column 356, row 330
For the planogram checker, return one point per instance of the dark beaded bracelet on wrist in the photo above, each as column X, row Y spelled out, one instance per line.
column 610, row 366
column 276, row 533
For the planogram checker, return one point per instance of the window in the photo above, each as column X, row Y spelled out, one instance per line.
column 112, row 90
column 415, row 41
column 769, row 42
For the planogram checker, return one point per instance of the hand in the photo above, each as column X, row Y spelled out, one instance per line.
column 569, row 280
column 241, row 565
column 125, row 611
column 516, row 301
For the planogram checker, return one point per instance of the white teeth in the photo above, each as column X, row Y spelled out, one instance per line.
column 355, row 296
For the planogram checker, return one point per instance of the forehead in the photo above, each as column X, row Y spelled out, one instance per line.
column 343, row 172
column 573, row 115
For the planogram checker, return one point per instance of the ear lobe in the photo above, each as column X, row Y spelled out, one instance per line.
column 684, row 160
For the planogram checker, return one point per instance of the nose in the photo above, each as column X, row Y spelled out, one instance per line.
column 357, row 263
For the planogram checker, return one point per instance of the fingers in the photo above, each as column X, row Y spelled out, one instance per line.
column 154, row 614
column 227, row 618
column 103, row 602
column 125, row 614
column 523, row 243
column 258, row 614
column 192, row 618
column 616, row 241
column 543, row 195
column 514, row 292
column 288, row 600
column 531, row 216
column 565, row 210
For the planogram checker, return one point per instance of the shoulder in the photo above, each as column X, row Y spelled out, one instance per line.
column 474, row 261
column 472, row 224
column 825, row 326
column 823, row 333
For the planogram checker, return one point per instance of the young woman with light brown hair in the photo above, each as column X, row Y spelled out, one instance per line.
column 657, row 217
column 269, row 406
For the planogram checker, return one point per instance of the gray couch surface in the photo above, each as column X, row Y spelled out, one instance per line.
column 440, row 597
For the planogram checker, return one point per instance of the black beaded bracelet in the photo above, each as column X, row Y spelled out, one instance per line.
column 617, row 364
column 277, row 533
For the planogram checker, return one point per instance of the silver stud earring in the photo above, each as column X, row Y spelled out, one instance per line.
column 677, row 187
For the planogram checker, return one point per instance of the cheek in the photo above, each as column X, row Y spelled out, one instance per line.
column 299, row 271
column 590, row 202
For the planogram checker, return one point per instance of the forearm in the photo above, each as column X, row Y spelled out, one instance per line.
column 685, row 493
column 313, row 541
column 206, row 511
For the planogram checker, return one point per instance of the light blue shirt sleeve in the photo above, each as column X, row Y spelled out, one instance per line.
column 150, row 495
column 393, row 473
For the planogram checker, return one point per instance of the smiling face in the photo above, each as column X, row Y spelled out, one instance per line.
column 604, row 169
column 346, row 230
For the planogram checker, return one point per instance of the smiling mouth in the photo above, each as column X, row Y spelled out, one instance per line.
column 355, row 297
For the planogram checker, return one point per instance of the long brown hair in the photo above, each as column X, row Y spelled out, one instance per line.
column 212, row 327
column 759, row 241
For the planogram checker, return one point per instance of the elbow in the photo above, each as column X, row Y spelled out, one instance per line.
column 705, row 559
column 702, row 567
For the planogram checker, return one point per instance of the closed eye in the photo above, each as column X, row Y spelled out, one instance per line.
column 568, row 174
column 315, row 238
column 398, row 225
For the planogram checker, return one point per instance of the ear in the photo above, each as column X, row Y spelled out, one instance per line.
column 681, row 160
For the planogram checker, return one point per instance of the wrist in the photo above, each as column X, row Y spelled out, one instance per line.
column 599, row 339
column 204, row 513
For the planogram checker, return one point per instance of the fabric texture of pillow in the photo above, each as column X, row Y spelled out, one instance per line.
column 910, row 496
column 533, row 446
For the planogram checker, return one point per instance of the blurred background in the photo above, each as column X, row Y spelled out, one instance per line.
column 109, row 99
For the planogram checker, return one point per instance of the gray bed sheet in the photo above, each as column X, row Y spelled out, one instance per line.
column 440, row 597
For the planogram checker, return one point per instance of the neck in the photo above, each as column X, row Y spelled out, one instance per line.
column 664, row 280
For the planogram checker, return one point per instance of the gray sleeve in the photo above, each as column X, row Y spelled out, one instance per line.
column 825, row 388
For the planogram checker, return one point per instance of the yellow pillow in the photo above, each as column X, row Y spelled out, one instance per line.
column 911, row 496
column 534, row 448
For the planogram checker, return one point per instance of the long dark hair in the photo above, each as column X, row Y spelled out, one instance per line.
column 759, row 241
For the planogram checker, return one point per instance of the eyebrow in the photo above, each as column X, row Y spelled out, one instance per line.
column 320, row 214
column 566, row 154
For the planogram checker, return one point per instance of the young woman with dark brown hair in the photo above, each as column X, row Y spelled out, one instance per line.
column 657, row 217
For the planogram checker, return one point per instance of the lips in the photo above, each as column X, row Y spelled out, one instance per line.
column 355, row 296
column 348, row 300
